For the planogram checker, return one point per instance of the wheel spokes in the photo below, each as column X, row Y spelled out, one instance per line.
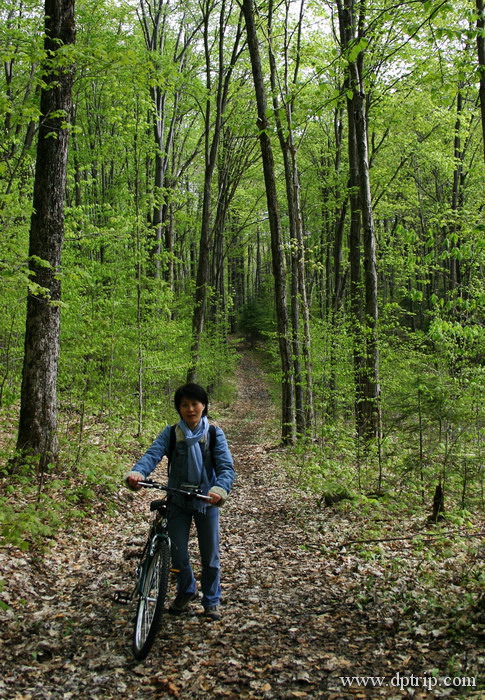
column 152, row 591
column 148, row 603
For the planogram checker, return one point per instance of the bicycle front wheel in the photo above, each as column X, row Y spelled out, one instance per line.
column 151, row 601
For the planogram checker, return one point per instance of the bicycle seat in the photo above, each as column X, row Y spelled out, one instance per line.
column 159, row 504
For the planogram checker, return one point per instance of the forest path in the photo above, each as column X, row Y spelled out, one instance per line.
column 298, row 614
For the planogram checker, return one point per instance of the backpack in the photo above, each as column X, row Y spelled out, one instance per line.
column 172, row 441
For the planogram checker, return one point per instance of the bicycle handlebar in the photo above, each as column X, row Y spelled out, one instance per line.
column 149, row 484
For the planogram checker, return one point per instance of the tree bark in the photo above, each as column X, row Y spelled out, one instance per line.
column 37, row 435
column 278, row 263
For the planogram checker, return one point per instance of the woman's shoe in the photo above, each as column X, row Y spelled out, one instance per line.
column 182, row 602
column 212, row 613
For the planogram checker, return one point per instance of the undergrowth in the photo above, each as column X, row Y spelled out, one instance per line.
column 96, row 450
column 89, row 472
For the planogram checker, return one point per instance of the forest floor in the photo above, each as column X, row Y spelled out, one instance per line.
column 304, row 616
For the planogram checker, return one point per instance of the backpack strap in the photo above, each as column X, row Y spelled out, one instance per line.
column 212, row 440
column 171, row 444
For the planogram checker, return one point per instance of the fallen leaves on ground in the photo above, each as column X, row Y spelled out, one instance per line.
column 300, row 611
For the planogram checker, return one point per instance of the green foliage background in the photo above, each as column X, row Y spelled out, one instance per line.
column 126, row 329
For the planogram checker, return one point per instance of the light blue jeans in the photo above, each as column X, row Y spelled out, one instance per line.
column 207, row 526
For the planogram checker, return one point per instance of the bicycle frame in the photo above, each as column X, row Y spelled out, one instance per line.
column 158, row 530
column 152, row 573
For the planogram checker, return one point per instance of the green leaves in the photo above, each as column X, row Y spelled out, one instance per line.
column 356, row 48
column 27, row 524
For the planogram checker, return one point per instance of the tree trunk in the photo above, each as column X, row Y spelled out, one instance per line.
column 153, row 16
column 366, row 352
column 309, row 421
column 481, row 62
column 438, row 505
column 213, row 127
column 296, row 343
column 288, row 391
column 340, row 217
column 456, row 195
column 355, row 254
column 346, row 28
column 37, row 434
column 294, row 248
column 304, row 405
column 371, row 384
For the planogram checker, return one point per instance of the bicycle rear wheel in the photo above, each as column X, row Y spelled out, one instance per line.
column 151, row 601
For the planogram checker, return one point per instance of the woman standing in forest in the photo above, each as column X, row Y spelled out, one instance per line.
column 194, row 463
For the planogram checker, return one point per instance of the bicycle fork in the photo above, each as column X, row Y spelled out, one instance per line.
column 124, row 598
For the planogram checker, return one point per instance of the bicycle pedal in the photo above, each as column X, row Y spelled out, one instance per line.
column 122, row 597
column 175, row 571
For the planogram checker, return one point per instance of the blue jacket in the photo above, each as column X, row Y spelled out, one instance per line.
column 220, row 474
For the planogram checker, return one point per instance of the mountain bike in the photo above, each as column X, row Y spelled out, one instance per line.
column 153, row 571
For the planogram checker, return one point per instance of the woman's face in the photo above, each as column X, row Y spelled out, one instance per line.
column 191, row 411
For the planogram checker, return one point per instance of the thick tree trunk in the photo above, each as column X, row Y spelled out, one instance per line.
column 38, row 411
column 288, row 391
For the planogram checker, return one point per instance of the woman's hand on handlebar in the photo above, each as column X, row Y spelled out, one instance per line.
column 215, row 498
column 132, row 480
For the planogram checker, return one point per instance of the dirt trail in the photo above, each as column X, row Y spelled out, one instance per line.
column 293, row 619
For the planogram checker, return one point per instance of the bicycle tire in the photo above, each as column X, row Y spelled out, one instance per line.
column 151, row 601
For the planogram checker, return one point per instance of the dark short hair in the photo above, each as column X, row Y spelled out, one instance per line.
column 191, row 391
